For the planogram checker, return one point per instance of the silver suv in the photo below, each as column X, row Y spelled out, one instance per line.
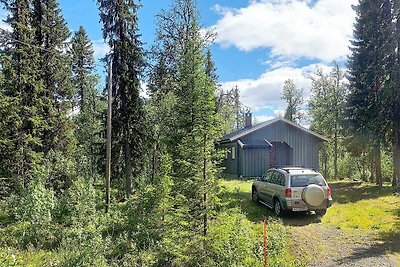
column 292, row 189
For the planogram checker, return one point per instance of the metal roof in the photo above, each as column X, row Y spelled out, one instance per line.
column 254, row 143
column 245, row 131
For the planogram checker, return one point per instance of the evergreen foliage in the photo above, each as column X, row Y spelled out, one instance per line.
column 120, row 29
column 369, row 73
column 22, row 85
column 50, row 36
column 89, row 103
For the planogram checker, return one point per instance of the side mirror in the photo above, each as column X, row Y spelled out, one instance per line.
column 259, row 178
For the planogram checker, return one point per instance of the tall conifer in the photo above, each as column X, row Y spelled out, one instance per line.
column 51, row 35
column 120, row 29
column 24, row 86
column 369, row 66
column 89, row 102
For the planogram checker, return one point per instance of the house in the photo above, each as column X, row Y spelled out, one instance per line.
column 251, row 151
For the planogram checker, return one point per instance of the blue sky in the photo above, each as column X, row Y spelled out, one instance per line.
column 261, row 43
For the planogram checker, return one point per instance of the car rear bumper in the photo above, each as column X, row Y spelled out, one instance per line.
column 299, row 205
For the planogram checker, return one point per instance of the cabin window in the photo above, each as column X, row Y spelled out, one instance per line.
column 233, row 152
column 226, row 150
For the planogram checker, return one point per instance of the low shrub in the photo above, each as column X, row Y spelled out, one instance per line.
column 78, row 206
column 84, row 248
column 33, row 212
column 231, row 241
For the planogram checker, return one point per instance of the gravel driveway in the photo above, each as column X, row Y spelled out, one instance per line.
column 323, row 245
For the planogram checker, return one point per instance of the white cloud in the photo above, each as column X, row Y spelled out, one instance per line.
column 265, row 91
column 261, row 118
column 100, row 49
column 291, row 28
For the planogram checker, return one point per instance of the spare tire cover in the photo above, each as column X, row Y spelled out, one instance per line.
column 313, row 195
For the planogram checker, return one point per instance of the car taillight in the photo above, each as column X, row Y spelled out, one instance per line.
column 288, row 192
column 328, row 192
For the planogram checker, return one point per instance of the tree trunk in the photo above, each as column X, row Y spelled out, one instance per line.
column 335, row 160
column 128, row 168
column 325, row 162
column 205, row 187
column 378, row 166
column 396, row 153
column 154, row 162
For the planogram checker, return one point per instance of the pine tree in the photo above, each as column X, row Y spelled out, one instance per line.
column 91, row 106
column 121, row 31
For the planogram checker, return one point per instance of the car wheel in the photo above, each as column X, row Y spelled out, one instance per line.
column 278, row 208
column 254, row 195
column 320, row 212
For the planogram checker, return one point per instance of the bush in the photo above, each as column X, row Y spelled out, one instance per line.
column 231, row 241
column 8, row 259
column 33, row 210
column 84, row 248
column 79, row 204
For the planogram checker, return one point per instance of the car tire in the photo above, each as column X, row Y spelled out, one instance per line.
column 278, row 208
column 320, row 213
column 254, row 195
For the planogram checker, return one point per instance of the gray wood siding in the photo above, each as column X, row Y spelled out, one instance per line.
column 230, row 165
column 305, row 146
column 255, row 161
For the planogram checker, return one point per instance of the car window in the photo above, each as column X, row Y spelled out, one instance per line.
column 267, row 177
column 304, row 180
column 281, row 179
column 275, row 177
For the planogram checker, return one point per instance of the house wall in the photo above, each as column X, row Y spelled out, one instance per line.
column 231, row 166
column 255, row 161
column 305, row 146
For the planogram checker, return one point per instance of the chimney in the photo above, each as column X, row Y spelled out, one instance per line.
column 247, row 119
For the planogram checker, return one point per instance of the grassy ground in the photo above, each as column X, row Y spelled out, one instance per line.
column 361, row 213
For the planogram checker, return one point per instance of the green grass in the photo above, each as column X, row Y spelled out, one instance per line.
column 11, row 257
column 237, row 194
column 365, row 207
column 358, row 209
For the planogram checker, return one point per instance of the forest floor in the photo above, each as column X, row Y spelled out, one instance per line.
column 362, row 228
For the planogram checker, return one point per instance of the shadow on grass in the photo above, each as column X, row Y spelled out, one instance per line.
column 257, row 212
column 385, row 243
column 345, row 192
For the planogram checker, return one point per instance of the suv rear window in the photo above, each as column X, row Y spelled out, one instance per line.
column 304, row 180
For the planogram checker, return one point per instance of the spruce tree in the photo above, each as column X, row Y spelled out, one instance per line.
column 23, row 86
column 369, row 66
column 195, row 131
column 81, row 53
column 51, row 35
column 9, row 112
column 89, row 102
column 120, row 29
column 395, row 95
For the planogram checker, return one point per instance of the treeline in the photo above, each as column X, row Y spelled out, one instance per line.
column 166, row 204
column 359, row 110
